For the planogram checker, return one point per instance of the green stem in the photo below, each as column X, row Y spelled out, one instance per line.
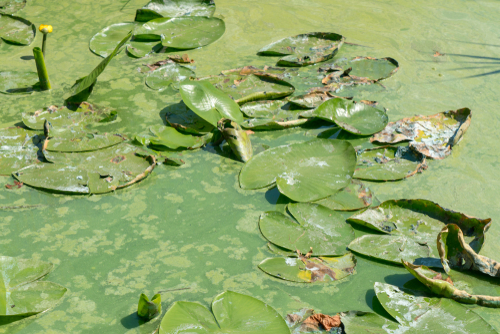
column 43, row 76
column 43, row 44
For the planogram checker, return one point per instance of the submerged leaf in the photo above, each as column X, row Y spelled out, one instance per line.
column 208, row 102
column 12, row 82
column 167, row 75
column 456, row 253
column 353, row 197
column 388, row 163
column 310, row 270
column 232, row 313
column 304, row 49
column 445, row 287
column 358, row 118
column 175, row 8
column 11, row 6
column 89, row 172
column 16, row 30
column 303, row 172
column 434, row 136
column 163, row 138
column 105, row 41
column 19, row 148
column 317, row 228
column 21, row 292
column 237, row 139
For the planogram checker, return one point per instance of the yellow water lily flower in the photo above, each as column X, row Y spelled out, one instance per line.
column 45, row 28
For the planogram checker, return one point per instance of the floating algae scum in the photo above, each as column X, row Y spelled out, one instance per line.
column 192, row 233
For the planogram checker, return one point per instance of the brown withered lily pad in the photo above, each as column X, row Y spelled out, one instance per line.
column 307, row 321
column 434, row 136
column 456, row 253
column 173, row 59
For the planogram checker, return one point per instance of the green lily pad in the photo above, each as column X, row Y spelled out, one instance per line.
column 421, row 220
column 358, row 118
column 362, row 68
column 167, row 75
column 415, row 314
column 183, row 32
column 271, row 115
column 93, row 172
column 167, row 138
column 12, row 82
column 16, row 30
column 316, row 227
column 231, row 313
column 388, row 163
column 139, row 49
column 391, row 248
column 186, row 121
column 19, row 148
column 175, row 8
column 312, row 100
column 353, row 197
column 303, row 172
column 105, row 41
column 237, row 139
column 271, row 124
column 22, row 293
column 264, row 109
column 208, row 102
column 313, row 270
column 444, row 285
column 11, row 6
column 304, row 49
column 434, row 136
column 244, row 85
column 456, row 253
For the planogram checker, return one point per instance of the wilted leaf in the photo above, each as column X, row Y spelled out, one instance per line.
column 361, row 69
column 182, row 33
column 12, row 82
column 208, row 102
column 148, row 309
column 313, row 270
column 303, row 172
column 443, row 285
column 353, row 197
column 307, row 321
column 231, row 313
column 237, row 139
column 433, row 136
column 169, row 74
column 21, row 292
column 175, row 8
column 16, row 30
column 19, row 148
column 172, row 59
column 11, row 6
column 456, row 253
column 421, row 221
column 388, row 163
column 105, row 41
column 316, row 227
column 250, row 84
column 304, row 49
column 89, row 172
column 355, row 117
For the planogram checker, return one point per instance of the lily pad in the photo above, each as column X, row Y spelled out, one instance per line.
column 208, row 102
column 105, row 41
column 19, row 148
column 93, row 172
column 139, row 49
column 443, row 285
column 168, row 75
column 182, row 33
column 175, row 8
column 22, row 293
column 456, row 253
column 310, row 270
column 264, row 109
column 165, row 137
column 362, row 68
column 303, row 172
column 304, row 49
column 186, row 121
column 358, row 118
column 434, row 136
column 244, row 86
column 415, row 314
column 237, row 139
column 271, row 124
column 271, row 115
column 421, row 220
column 388, row 163
column 353, row 197
column 13, row 82
column 16, row 30
column 316, row 227
column 312, row 100
column 11, row 6
column 231, row 313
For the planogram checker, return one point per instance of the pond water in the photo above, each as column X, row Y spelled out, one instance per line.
column 193, row 227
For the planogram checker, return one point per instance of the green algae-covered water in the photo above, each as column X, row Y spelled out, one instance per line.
column 192, row 228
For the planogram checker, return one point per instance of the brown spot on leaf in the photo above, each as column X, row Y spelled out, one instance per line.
column 326, row 321
column 118, row 159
